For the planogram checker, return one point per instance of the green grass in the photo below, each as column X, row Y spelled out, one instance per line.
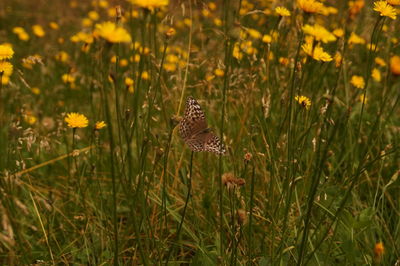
column 321, row 183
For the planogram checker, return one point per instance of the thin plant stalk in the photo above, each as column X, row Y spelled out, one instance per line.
column 189, row 190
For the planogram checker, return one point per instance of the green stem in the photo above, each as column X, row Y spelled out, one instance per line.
column 189, row 189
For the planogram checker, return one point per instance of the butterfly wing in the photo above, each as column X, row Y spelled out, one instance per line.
column 214, row 144
column 193, row 129
column 194, row 120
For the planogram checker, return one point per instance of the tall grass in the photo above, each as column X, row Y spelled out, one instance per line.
column 299, row 185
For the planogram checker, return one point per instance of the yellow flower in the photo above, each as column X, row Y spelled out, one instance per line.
column 379, row 249
column 267, row 38
column 54, row 25
column 149, row 4
column 145, row 75
column 93, row 15
column 363, row 99
column 112, row 33
column 376, row 75
column 385, row 9
column 395, row 64
column 62, row 56
column 254, row 33
column 355, row 39
column 358, row 82
column 99, row 125
column 394, row 2
column 380, row 61
column 75, row 120
column 35, row 90
column 30, row 119
column 6, row 52
column 4, row 79
column 38, row 31
column 236, row 52
column 303, row 101
column 219, row 72
column 129, row 81
column 6, row 68
column 317, row 52
column 82, row 37
column 319, row 33
column 338, row 32
column 282, row 11
column 170, row 32
column 68, row 78
column 310, row 6
column 338, row 59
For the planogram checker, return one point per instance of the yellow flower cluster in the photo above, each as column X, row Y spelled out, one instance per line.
column 6, row 68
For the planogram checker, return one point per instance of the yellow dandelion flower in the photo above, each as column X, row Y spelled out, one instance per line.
column 4, row 79
column 6, row 68
column 170, row 32
column 30, row 119
column 35, row 90
column 267, row 38
column 394, row 2
column 76, row 120
column 338, row 32
column 149, row 4
column 310, row 6
column 380, row 61
column 219, row 72
column 358, row 82
column 62, row 56
column 68, row 78
column 395, row 65
column 236, row 52
column 303, row 101
column 129, row 81
column 93, row 15
column 112, row 33
column 6, row 52
column 317, row 52
column 54, row 25
column 145, row 75
column 376, row 75
column 254, row 33
column 319, row 33
column 99, row 125
column 355, row 39
column 282, row 11
column 385, row 9
column 38, row 31
column 123, row 62
column 338, row 59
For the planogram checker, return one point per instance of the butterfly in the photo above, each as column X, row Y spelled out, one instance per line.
column 194, row 131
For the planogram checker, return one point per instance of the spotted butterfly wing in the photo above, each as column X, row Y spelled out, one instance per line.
column 194, row 130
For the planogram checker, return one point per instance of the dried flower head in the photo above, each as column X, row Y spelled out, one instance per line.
column 247, row 157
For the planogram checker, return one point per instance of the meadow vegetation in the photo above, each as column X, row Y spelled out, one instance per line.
column 304, row 95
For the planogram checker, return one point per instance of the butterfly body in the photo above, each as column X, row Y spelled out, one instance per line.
column 194, row 131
